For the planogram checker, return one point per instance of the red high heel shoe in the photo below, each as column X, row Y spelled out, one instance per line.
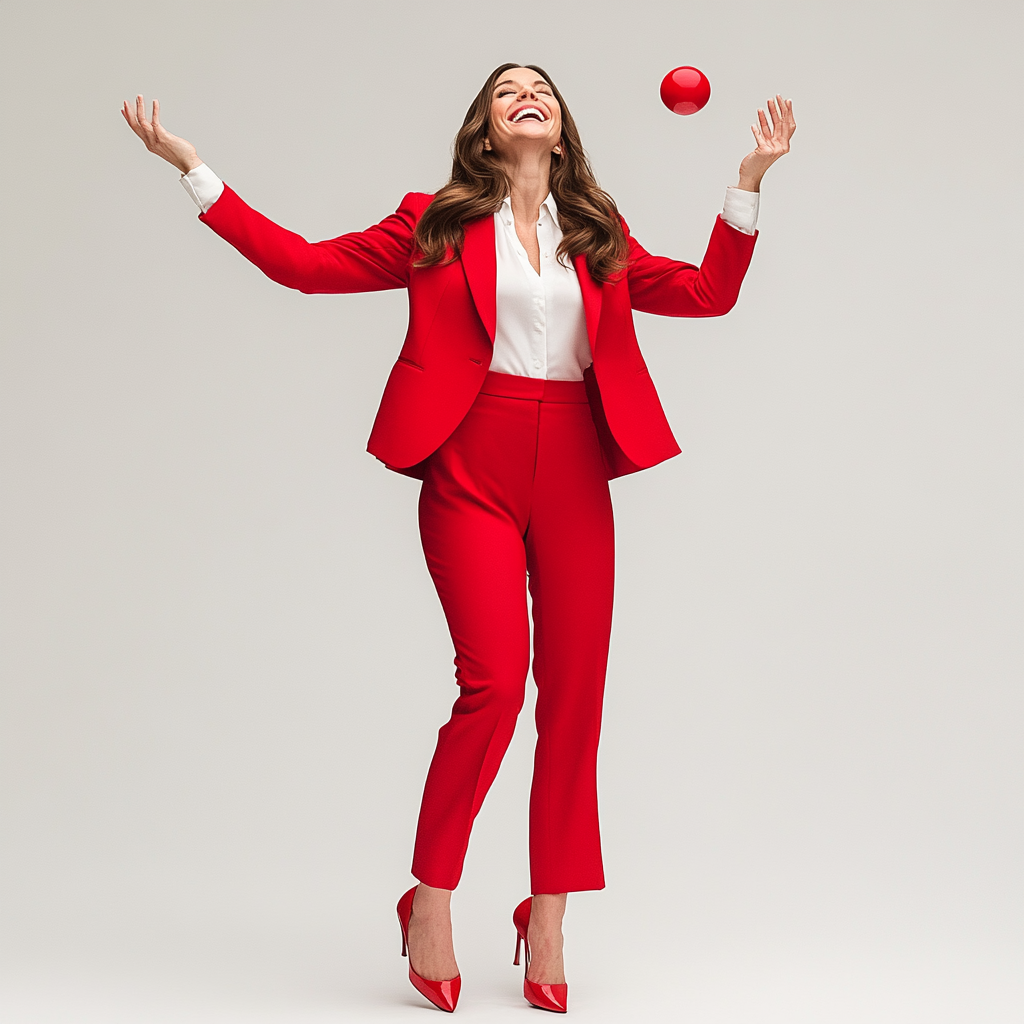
column 546, row 997
column 443, row 994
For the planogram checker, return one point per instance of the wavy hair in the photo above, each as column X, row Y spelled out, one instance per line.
column 478, row 185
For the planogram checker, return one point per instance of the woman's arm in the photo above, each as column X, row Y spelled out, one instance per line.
column 669, row 287
column 362, row 261
column 672, row 288
column 371, row 260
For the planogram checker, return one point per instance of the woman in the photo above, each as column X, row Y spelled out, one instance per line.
column 519, row 392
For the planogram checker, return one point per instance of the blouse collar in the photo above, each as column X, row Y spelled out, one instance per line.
column 548, row 204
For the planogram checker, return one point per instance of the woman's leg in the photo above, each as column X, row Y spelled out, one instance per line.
column 518, row 468
column 474, row 509
column 570, row 552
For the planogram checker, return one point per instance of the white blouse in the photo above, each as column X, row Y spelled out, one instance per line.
column 541, row 329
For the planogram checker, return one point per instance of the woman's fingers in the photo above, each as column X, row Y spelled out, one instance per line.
column 150, row 128
column 783, row 125
column 133, row 123
column 762, row 143
column 779, row 115
column 160, row 133
column 145, row 129
column 140, row 112
column 787, row 122
column 778, row 129
column 776, row 124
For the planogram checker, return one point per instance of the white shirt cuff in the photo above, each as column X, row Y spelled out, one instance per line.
column 740, row 209
column 204, row 186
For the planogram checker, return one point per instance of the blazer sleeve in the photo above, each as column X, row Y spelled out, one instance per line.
column 671, row 288
column 362, row 261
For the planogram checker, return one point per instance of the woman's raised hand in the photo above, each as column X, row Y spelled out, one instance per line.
column 157, row 138
column 772, row 142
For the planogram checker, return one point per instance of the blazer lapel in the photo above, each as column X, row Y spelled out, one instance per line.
column 480, row 265
column 592, row 295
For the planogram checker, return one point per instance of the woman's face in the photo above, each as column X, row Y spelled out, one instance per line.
column 524, row 113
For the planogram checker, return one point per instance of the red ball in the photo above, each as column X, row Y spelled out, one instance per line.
column 685, row 90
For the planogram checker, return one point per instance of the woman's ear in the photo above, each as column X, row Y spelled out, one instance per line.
column 487, row 145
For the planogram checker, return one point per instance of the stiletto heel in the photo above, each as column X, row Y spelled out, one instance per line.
column 443, row 994
column 546, row 997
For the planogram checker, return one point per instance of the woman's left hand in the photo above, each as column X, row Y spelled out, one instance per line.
column 772, row 142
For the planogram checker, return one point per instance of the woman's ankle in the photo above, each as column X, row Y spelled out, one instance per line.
column 547, row 910
column 430, row 902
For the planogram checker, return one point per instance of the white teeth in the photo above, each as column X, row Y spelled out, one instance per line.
column 525, row 112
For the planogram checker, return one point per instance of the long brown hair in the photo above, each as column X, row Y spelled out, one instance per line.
column 478, row 185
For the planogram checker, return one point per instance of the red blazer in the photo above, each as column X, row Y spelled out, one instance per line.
column 448, row 346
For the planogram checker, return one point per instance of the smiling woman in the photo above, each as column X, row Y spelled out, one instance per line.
column 515, row 106
column 519, row 391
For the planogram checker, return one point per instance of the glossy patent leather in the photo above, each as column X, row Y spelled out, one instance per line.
column 545, row 997
column 443, row 994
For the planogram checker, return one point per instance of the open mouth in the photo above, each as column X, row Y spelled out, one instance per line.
column 528, row 114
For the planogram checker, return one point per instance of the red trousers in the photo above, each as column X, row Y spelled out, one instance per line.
column 520, row 490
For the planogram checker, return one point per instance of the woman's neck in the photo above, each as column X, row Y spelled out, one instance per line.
column 530, row 179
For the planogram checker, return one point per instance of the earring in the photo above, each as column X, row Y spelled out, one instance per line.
column 557, row 150
column 487, row 145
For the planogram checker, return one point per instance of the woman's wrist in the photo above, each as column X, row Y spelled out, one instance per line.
column 748, row 183
column 187, row 164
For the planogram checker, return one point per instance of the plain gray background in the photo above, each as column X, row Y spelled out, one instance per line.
column 223, row 660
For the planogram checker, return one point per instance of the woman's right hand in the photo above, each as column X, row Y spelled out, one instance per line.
column 158, row 139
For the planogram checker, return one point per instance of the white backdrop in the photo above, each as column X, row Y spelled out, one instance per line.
column 223, row 660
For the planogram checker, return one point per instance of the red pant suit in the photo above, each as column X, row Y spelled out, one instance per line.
column 515, row 477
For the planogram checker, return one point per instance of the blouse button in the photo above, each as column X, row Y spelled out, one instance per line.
column 536, row 364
